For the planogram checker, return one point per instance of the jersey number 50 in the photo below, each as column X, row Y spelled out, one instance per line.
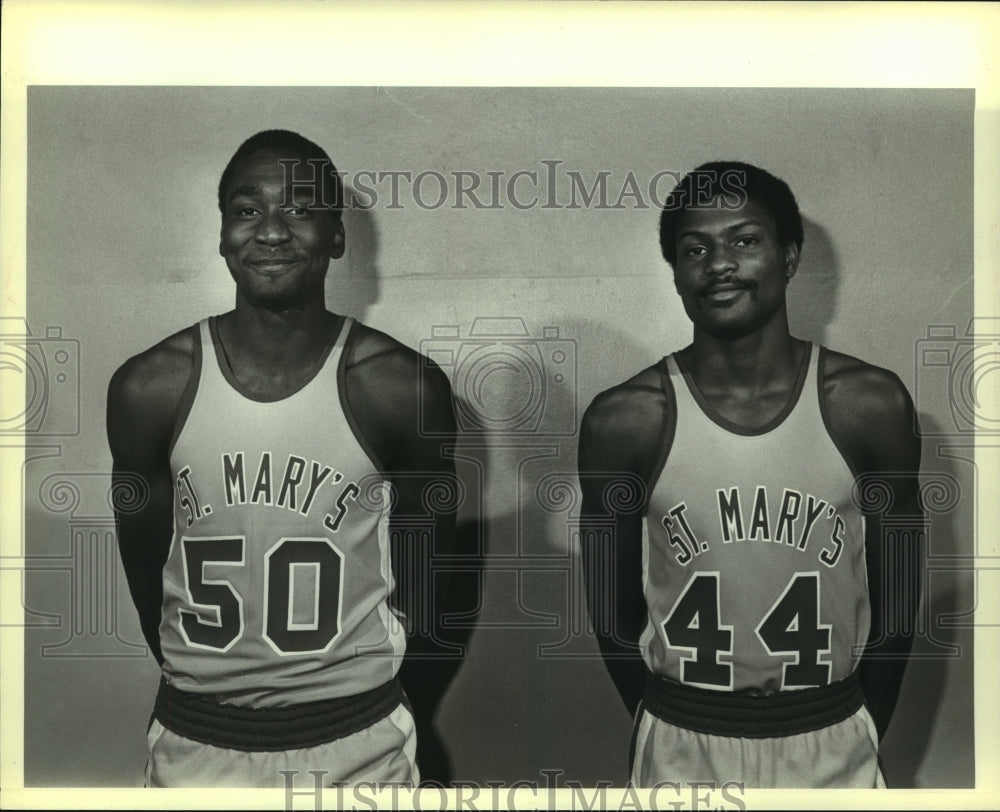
column 217, row 620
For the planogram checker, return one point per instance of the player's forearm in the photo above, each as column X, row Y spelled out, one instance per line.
column 881, row 675
column 145, row 582
column 626, row 669
column 884, row 660
column 430, row 660
column 616, row 607
column 148, row 600
column 893, row 548
column 151, row 631
column 423, row 592
column 143, row 503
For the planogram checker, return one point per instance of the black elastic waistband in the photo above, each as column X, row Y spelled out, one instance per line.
column 724, row 713
column 287, row 728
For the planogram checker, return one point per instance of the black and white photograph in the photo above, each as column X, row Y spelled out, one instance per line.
column 585, row 439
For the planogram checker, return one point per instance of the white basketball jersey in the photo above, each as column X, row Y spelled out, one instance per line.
column 753, row 551
column 276, row 586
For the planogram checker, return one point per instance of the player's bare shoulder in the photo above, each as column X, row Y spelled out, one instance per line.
column 400, row 399
column 622, row 424
column 862, row 391
column 384, row 367
column 372, row 349
column 145, row 391
column 865, row 406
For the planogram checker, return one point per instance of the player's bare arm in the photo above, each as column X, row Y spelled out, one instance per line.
column 620, row 439
column 872, row 417
column 143, row 400
column 403, row 406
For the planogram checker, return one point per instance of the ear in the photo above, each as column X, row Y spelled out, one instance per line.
column 791, row 260
column 337, row 241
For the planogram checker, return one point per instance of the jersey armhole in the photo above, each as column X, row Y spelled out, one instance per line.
column 665, row 436
column 351, row 327
column 824, row 410
column 190, row 389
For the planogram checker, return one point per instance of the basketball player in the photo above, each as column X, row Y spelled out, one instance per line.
column 732, row 578
column 260, row 565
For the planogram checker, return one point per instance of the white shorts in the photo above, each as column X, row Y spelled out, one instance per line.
column 845, row 754
column 385, row 752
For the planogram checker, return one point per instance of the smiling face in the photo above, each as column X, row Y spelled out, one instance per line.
column 731, row 269
column 277, row 239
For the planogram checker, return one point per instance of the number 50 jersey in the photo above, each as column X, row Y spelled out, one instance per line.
column 753, row 551
column 276, row 586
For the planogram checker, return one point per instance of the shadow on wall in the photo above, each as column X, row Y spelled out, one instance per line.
column 813, row 291
column 942, row 651
column 538, row 626
column 352, row 286
column 941, row 664
column 518, row 402
column 88, row 680
column 510, row 382
column 455, row 619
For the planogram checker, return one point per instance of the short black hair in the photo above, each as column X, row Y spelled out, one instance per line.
column 736, row 182
column 286, row 141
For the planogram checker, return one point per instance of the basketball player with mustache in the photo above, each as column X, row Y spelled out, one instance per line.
column 753, row 611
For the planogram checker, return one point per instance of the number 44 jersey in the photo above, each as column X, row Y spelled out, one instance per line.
column 276, row 587
column 753, row 551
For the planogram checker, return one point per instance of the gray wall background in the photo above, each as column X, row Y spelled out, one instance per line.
column 122, row 250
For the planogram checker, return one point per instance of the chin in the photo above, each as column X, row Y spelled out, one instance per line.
column 276, row 300
column 284, row 296
column 738, row 324
column 730, row 334
column 729, row 330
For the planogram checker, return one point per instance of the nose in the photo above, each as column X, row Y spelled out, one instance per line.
column 722, row 261
column 272, row 229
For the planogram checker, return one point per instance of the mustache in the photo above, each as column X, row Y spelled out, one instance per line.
column 718, row 285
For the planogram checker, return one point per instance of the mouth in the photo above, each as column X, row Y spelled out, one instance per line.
column 723, row 293
column 272, row 263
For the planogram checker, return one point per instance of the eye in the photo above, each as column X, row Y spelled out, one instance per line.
column 747, row 241
column 695, row 251
column 245, row 212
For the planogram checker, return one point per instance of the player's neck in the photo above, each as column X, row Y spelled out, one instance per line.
column 757, row 360
column 288, row 338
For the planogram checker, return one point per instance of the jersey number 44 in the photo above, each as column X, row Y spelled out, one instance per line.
column 790, row 630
